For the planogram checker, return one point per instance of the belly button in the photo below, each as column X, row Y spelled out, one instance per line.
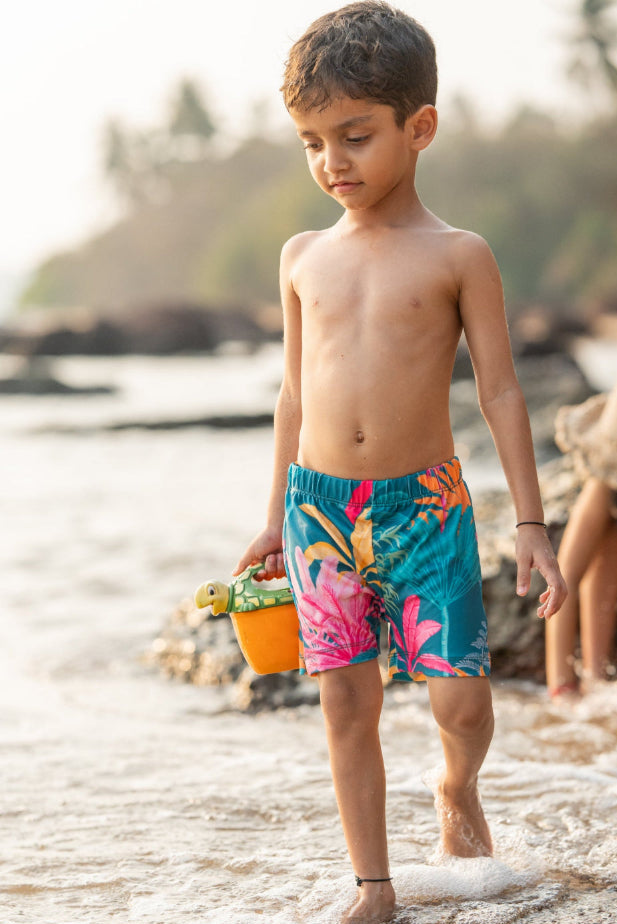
column 359, row 436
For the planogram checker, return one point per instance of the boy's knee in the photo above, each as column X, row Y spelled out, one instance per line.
column 466, row 720
column 464, row 712
column 349, row 700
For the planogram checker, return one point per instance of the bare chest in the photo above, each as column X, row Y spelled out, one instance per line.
column 377, row 296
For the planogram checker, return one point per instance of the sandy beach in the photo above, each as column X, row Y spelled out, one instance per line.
column 131, row 798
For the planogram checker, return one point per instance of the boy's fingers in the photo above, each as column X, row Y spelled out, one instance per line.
column 522, row 580
column 548, row 604
column 556, row 588
column 274, row 565
column 554, row 596
column 246, row 560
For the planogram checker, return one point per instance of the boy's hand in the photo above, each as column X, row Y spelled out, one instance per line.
column 534, row 550
column 266, row 547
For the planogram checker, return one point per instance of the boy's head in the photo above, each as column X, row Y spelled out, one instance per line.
column 366, row 50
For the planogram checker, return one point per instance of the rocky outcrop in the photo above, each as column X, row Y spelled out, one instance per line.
column 146, row 329
column 34, row 376
column 516, row 635
column 197, row 647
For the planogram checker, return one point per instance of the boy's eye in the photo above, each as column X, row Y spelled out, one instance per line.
column 311, row 146
column 358, row 140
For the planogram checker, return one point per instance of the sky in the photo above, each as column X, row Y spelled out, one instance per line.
column 68, row 66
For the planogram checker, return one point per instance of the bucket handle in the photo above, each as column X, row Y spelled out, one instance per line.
column 267, row 595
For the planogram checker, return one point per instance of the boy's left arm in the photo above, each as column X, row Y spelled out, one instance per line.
column 503, row 406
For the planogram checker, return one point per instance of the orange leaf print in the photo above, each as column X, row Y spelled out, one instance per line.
column 362, row 541
column 320, row 550
column 329, row 527
column 444, row 483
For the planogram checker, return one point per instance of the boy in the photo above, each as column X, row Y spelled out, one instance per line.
column 376, row 519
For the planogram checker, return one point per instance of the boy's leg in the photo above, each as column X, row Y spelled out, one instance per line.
column 463, row 710
column 351, row 700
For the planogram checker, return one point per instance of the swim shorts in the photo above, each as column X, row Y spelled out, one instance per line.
column 401, row 550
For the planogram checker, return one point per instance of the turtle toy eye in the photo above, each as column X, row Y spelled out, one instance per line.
column 211, row 591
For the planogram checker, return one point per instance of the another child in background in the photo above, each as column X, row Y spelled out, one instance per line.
column 588, row 549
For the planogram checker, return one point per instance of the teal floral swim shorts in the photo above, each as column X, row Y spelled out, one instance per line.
column 403, row 551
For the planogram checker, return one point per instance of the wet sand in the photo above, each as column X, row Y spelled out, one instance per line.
column 127, row 797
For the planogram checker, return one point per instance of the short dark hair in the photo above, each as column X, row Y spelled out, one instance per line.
column 366, row 50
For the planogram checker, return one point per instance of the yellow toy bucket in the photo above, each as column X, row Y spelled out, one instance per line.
column 265, row 620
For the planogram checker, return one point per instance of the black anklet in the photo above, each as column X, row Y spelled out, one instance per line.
column 360, row 881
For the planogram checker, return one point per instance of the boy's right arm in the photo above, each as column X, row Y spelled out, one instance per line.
column 267, row 546
column 503, row 406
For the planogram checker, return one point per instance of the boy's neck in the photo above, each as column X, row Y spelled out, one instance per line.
column 400, row 209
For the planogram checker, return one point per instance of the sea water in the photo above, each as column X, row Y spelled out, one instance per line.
column 126, row 797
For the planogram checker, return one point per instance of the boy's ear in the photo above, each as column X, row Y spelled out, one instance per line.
column 422, row 127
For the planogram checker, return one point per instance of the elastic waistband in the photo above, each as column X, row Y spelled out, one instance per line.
column 380, row 492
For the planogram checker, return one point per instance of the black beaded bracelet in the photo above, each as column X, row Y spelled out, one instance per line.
column 530, row 523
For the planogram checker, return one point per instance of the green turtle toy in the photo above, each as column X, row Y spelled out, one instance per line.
column 264, row 619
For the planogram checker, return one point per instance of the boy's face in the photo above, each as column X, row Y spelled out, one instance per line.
column 355, row 150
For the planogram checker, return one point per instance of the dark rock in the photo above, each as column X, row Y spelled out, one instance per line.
column 34, row 377
column 516, row 634
column 538, row 330
column 214, row 422
column 197, row 647
column 546, row 384
column 147, row 329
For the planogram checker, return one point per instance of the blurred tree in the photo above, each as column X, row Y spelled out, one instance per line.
column 259, row 119
column 211, row 228
column 191, row 126
column 117, row 158
column 595, row 44
column 143, row 166
column 462, row 115
column 242, row 261
column 134, row 162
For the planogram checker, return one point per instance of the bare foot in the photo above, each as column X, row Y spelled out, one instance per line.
column 464, row 831
column 590, row 684
column 375, row 904
column 566, row 693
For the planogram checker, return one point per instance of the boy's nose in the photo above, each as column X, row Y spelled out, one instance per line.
column 335, row 160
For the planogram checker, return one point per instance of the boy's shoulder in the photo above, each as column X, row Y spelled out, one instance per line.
column 296, row 247
column 463, row 249
column 451, row 236
column 297, row 244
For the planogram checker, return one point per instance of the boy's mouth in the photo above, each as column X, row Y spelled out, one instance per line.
column 344, row 186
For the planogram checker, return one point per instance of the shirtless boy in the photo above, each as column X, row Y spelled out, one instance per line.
column 368, row 511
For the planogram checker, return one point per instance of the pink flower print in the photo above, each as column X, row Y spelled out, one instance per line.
column 358, row 499
column 417, row 634
column 334, row 610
